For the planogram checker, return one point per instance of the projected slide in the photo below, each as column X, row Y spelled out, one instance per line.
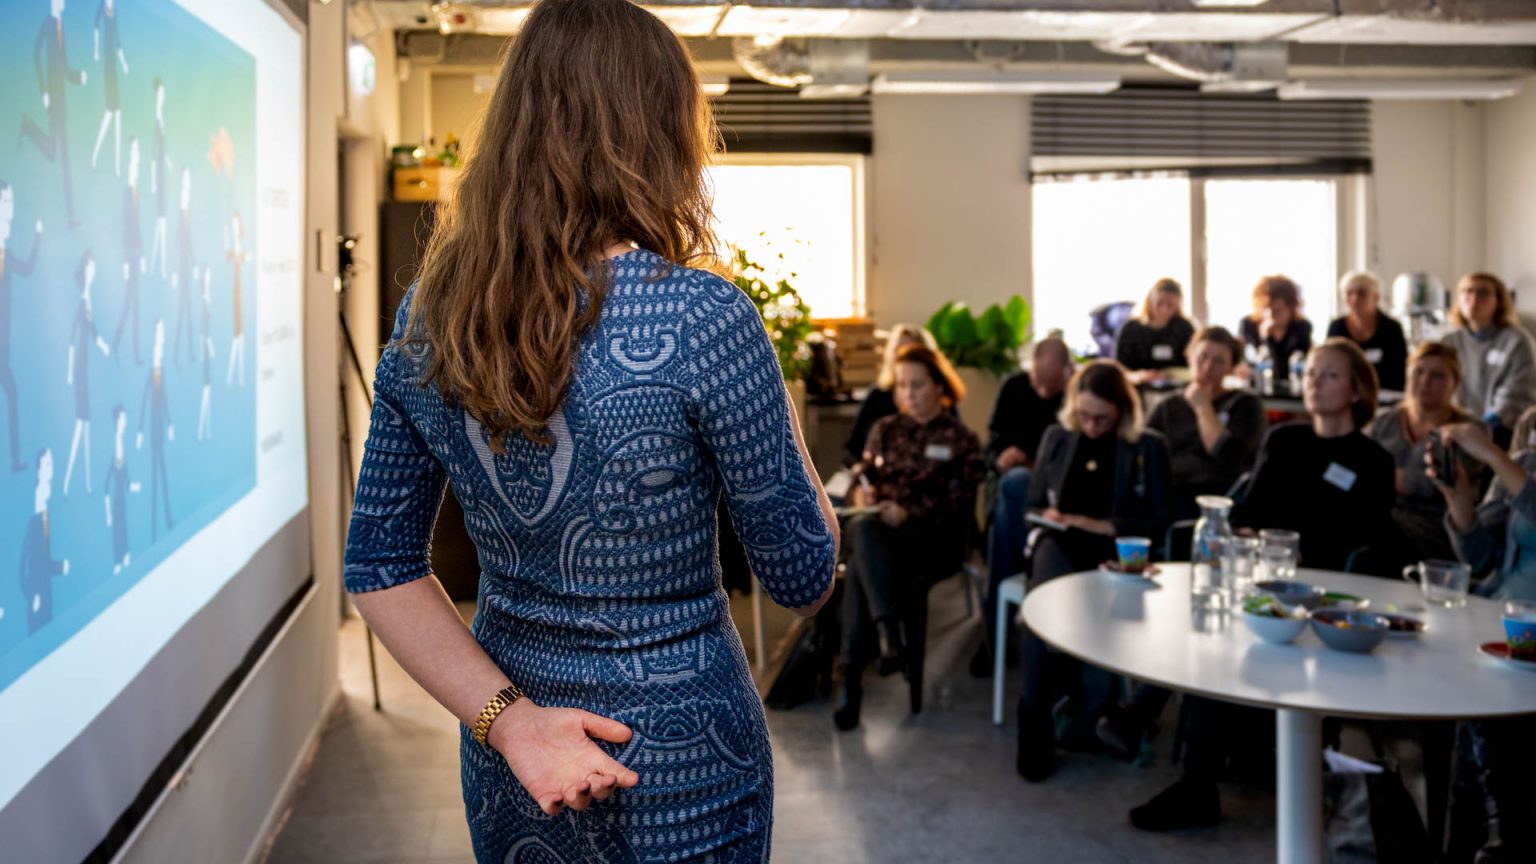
column 125, row 368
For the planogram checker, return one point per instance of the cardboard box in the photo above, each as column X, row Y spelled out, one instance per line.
column 425, row 184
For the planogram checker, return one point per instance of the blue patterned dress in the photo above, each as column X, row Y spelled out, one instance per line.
column 600, row 582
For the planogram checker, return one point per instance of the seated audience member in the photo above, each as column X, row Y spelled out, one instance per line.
column 1276, row 325
column 1099, row 475
column 1324, row 479
column 1498, row 362
column 1213, row 433
column 881, row 399
column 1378, row 334
column 1494, row 802
column 1026, row 407
column 1156, row 335
column 921, row 468
column 1316, row 476
column 1434, row 374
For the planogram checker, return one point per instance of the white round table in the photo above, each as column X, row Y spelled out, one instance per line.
column 1148, row 631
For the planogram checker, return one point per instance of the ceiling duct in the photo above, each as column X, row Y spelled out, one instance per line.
column 830, row 66
column 1221, row 62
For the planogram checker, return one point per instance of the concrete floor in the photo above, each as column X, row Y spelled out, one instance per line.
column 939, row 786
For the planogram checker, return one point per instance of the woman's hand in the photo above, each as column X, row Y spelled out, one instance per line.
column 1460, row 492
column 892, row 514
column 1084, row 523
column 1011, row 457
column 1474, row 439
column 551, row 752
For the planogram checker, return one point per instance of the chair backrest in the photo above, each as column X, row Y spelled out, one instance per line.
column 1105, row 323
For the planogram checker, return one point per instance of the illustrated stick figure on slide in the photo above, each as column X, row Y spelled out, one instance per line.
column 237, row 256
column 106, row 26
column 51, row 78
column 81, row 335
column 38, row 567
column 154, row 408
column 159, row 178
column 204, row 414
column 9, row 268
column 133, row 254
column 119, row 487
column 182, row 281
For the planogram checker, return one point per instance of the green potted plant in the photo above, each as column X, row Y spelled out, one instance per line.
column 785, row 314
column 984, row 349
column 990, row 342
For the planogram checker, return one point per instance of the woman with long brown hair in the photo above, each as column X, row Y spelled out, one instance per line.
column 1498, row 358
column 590, row 396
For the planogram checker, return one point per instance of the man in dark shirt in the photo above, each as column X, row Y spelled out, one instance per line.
column 1026, row 407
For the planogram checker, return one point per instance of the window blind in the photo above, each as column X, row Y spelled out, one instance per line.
column 760, row 118
column 1139, row 130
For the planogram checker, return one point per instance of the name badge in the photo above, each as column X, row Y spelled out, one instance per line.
column 1495, row 357
column 1162, row 352
column 1373, row 355
column 1340, row 476
column 939, row 452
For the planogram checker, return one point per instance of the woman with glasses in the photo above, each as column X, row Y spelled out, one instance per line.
column 1498, row 361
column 1097, row 476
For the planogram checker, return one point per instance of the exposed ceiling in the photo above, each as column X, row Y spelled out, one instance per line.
column 1314, row 38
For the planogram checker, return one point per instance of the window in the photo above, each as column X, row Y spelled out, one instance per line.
column 1255, row 228
column 807, row 209
column 1100, row 241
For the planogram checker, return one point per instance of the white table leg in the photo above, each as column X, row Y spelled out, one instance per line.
column 757, row 627
column 1299, row 786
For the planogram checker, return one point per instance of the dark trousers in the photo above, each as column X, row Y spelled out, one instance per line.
column 54, row 146
column 1494, row 797
column 1048, row 676
column 888, row 567
column 13, row 424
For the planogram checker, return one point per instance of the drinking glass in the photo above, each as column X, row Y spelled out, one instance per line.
column 1444, row 583
column 1238, row 556
column 1280, row 551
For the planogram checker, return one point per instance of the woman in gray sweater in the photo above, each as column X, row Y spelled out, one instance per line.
column 1498, row 360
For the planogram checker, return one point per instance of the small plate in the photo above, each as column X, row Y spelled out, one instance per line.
column 1112, row 569
column 1500, row 651
column 1404, row 626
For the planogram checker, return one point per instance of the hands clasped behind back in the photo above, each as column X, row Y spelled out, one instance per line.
column 552, row 753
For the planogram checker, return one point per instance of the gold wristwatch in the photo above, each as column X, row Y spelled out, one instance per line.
column 499, row 703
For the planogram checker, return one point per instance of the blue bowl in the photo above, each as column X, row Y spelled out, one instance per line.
column 1292, row 593
column 1276, row 631
column 1356, row 632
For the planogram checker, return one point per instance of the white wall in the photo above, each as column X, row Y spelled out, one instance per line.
column 1426, row 201
column 949, row 204
column 1510, row 149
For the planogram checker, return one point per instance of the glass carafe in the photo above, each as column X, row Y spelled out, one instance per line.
column 1207, row 588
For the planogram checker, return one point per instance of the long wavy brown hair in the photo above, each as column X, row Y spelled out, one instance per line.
column 597, row 133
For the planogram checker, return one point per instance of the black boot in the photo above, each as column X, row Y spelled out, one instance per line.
column 846, row 715
column 1037, row 743
column 892, row 646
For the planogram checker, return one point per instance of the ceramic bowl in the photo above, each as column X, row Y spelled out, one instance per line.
column 1356, row 632
column 1276, row 631
column 1291, row 592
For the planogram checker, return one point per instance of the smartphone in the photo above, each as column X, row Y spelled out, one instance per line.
column 1443, row 456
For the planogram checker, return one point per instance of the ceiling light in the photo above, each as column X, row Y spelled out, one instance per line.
column 1213, row 4
column 715, row 85
column 958, row 83
column 1365, row 88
